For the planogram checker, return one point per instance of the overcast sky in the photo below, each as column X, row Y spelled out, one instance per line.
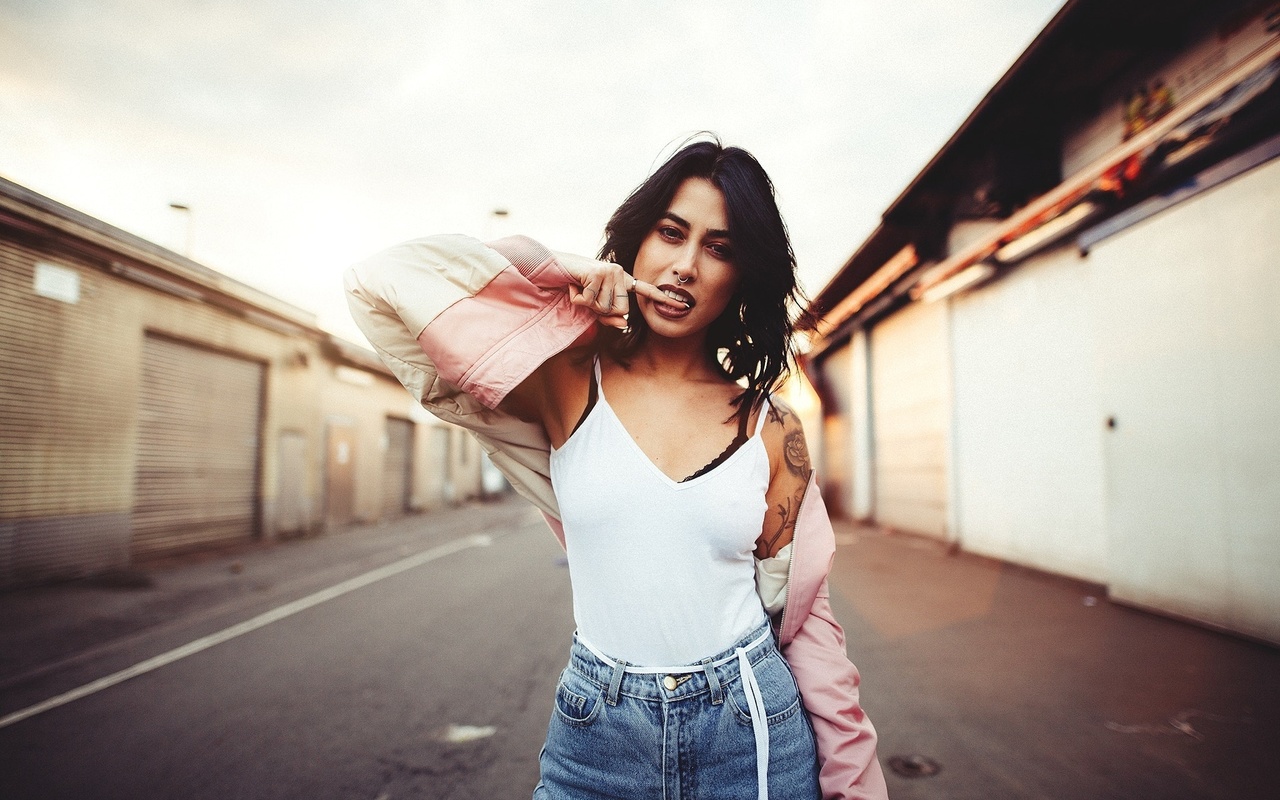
column 306, row 135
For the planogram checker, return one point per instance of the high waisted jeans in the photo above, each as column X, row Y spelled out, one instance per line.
column 624, row 735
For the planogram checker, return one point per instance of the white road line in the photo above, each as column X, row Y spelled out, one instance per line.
column 262, row 620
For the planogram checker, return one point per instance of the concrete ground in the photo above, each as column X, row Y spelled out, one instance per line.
column 1020, row 684
column 1012, row 683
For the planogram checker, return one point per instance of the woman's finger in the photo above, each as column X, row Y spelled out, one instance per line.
column 654, row 293
column 585, row 295
column 621, row 302
column 616, row 292
column 604, row 300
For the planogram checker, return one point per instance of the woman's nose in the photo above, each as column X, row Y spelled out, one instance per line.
column 686, row 265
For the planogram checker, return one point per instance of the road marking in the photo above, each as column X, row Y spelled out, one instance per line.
column 460, row 734
column 249, row 625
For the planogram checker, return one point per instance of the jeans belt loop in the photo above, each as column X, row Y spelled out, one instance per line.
column 713, row 682
column 615, row 682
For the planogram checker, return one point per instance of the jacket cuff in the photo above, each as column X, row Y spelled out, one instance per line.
column 539, row 265
column 488, row 344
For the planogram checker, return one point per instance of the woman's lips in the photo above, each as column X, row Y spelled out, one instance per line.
column 681, row 302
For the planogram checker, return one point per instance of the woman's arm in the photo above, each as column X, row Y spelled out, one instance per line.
column 789, row 471
column 460, row 324
column 486, row 317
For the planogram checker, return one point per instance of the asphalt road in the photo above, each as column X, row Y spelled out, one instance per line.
column 365, row 695
column 1013, row 683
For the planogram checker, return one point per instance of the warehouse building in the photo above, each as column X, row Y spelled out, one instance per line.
column 1061, row 347
column 150, row 405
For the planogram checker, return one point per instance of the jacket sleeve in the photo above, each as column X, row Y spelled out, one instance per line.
column 460, row 324
column 479, row 318
column 814, row 646
column 829, row 685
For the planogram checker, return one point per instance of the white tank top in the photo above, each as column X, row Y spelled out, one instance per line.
column 662, row 571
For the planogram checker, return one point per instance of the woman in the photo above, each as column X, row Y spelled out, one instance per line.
column 630, row 399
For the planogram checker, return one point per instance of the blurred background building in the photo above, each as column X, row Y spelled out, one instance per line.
column 150, row 405
column 1061, row 346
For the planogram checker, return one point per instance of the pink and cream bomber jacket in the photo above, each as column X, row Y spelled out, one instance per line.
column 461, row 324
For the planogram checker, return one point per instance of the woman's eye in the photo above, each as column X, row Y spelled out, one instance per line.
column 721, row 251
column 669, row 233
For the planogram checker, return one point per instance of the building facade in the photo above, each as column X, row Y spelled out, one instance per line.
column 1060, row 348
column 150, row 406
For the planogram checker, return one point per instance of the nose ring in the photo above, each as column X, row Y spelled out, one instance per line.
column 680, row 279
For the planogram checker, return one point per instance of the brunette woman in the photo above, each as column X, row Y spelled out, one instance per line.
column 632, row 399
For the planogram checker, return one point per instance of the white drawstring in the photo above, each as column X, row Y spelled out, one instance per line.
column 755, row 702
column 751, row 687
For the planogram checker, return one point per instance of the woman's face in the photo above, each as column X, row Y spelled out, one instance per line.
column 688, row 254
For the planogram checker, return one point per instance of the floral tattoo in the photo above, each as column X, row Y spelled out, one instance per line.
column 796, row 454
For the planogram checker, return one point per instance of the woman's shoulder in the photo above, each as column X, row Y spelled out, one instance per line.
column 783, row 436
column 780, row 417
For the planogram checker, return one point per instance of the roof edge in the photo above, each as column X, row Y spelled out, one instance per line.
column 1031, row 51
column 52, row 215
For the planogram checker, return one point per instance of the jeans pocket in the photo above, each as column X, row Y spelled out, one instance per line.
column 777, row 688
column 578, row 700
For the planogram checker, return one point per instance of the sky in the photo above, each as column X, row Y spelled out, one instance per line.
column 304, row 136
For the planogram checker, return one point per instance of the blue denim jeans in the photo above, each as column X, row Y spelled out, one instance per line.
column 623, row 735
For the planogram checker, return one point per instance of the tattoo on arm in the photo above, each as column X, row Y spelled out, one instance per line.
column 796, row 454
column 779, row 412
column 781, row 521
column 767, row 544
column 782, row 529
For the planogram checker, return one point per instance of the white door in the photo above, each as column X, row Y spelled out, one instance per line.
column 1188, row 313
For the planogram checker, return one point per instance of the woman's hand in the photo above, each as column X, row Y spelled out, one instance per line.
column 606, row 289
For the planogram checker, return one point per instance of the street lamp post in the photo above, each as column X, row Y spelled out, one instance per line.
column 191, row 226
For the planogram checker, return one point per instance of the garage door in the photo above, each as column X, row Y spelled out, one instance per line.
column 198, row 431
column 396, row 466
column 910, row 411
column 1189, row 366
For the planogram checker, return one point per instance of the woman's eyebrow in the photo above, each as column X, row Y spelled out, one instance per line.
column 677, row 219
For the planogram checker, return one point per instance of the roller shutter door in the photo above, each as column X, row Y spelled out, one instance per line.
column 198, row 432
column 63, row 447
column 396, row 467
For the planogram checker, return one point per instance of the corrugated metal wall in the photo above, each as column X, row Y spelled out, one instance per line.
column 136, row 421
column 62, row 508
column 199, row 423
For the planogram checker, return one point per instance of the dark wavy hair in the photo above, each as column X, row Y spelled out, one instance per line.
column 753, row 339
